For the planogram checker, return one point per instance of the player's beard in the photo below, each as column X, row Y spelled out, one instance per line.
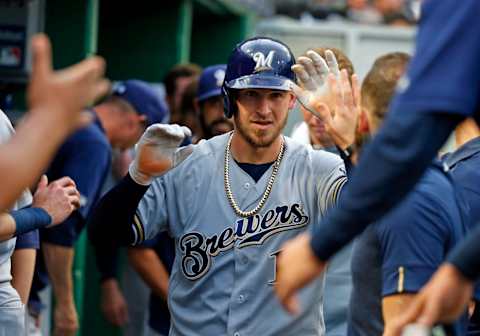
column 256, row 137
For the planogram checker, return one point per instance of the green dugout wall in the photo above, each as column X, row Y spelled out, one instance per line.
column 139, row 39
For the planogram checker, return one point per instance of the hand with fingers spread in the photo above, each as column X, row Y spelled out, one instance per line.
column 443, row 299
column 312, row 74
column 60, row 96
column 59, row 198
column 328, row 94
column 157, row 152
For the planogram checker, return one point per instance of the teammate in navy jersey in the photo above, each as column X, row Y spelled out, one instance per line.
column 441, row 88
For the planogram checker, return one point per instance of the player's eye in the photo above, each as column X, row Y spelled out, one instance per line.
column 277, row 95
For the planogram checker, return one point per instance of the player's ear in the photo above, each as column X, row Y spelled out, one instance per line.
column 363, row 124
column 293, row 100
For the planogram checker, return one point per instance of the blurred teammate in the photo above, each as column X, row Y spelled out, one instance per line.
column 85, row 157
column 209, row 102
column 338, row 280
column 425, row 111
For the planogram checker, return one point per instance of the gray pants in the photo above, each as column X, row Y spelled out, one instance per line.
column 12, row 312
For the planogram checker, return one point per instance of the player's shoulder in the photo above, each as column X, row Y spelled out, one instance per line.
column 304, row 155
column 433, row 197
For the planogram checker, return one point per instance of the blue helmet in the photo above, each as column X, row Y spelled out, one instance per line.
column 257, row 63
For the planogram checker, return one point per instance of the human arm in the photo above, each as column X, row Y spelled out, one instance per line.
column 151, row 269
column 51, row 204
column 59, row 262
column 23, row 263
column 394, row 305
column 113, row 304
column 115, row 213
column 448, row 292
column 422, row 117
column 56, row 99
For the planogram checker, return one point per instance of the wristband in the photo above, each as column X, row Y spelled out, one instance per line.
column 29, row 219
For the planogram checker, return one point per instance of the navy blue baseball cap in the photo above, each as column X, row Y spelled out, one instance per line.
column 144, row 99
column 211, row 81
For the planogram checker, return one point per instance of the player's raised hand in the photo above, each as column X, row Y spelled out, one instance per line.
column 341, row 123
column 312, row 74
column 296, row 266
column 62, row 95
column 327, row 93
column 158, row 151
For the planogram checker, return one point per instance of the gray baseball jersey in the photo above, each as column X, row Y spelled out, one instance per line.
column 222, row 278
column 11, row 307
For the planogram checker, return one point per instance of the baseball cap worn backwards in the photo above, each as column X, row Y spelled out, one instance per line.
column 211, row 81
column 144, row 99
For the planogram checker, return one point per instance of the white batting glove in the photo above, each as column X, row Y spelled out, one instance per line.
column 328, row 94
column 313, row 74
column 157, row 152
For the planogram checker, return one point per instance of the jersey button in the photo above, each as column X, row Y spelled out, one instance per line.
column 241, row 298
column 236, row 334
column 246, row 185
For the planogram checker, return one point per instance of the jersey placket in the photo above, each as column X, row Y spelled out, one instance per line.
column 247, row 193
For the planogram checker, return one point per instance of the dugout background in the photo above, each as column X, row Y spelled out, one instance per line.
column 139, row 39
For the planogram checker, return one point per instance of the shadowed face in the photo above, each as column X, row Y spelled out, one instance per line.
column 316, row 129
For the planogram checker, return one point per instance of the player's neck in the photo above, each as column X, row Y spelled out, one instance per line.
column 245, row 152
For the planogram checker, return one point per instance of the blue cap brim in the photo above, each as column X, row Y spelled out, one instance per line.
column 259, row 81
column 210, row 94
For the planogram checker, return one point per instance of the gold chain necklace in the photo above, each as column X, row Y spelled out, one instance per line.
column 268, row 189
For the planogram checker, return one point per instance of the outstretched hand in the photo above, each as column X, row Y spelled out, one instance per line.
column 296, row 267
column 158, row 151
column 327, row 93
column 62, row 95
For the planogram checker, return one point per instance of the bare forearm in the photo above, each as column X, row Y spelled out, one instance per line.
column 23, row 264
column 59, row 260
column 151, row 269
column 394, row 305
column 34, row 144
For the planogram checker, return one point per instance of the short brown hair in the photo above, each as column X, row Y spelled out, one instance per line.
column 379, row 85
column 343, row 61
column 178, row 71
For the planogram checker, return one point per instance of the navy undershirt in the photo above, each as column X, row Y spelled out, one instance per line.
column 256, row 171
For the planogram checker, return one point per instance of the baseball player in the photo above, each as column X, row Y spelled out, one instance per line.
column 209, row 102
column 435, row 95
column 230, row 205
